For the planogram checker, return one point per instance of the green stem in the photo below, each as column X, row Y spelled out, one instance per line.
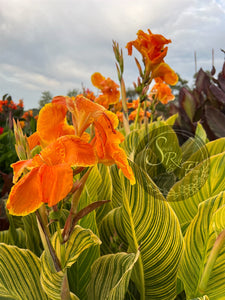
column 219, row 243
column 124, row 104
column 50, row 251
column 62, row 245
column 65, row 291
column 44, row 218
column 145, row 117
column 74, row 206
column 137, row 116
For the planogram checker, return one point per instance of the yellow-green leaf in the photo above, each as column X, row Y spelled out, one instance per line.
column 20, row 274
column 151, row 226
column 200, row 239
column 204, row 181
column 111, row 275
column 68, row 253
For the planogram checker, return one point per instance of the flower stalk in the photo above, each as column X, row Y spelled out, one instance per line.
column 120, row 65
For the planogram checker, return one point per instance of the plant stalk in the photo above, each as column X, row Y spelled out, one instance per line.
column 65, row 291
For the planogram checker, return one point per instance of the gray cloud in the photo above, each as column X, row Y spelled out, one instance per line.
column 57, row 45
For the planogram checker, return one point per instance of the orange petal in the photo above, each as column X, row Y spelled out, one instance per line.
column 25, row 196
column 84, row 112
column 167, row 74
column 102, row 100
column 56, row 182
column 34, row 140
column 116, row 155
column 60, row 100
column 120, row 159
column 18, row 168
column 113, row 118
column 97, row 80
column 69, row 149
column 52, row 123
column 85, row 137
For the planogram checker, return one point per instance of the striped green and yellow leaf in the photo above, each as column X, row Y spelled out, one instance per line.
column 111, row 275
column 68, row 253
column 33, row 240
column 104, row 193
column 151, row 226
column 203, row 263
column 204, row 181
column 20, row 274
column 112, row 232
column 18, row 238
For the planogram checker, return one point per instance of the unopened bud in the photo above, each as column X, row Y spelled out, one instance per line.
column 139, row 67
column 22, row 145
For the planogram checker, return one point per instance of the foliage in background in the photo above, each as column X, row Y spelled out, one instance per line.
column 204, row 103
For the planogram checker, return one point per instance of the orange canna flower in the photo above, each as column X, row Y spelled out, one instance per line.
column 50, row 176
column 141, row 116
column 22, row 124
column 162, row 91
column 20, row 104
column 27, row 114
column 119, row 115
column 151, row 46
column 107, row 141
column 133, row 104
column 164, row 72
column 52, row 124
column 109, row 89
column 118, row 106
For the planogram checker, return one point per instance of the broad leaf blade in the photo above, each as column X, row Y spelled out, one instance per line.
column 151, row 226
column 199, row 241
column 111, row 275
column 204, row 181
column 112, row 232
column 20, row 274
column 80, row 240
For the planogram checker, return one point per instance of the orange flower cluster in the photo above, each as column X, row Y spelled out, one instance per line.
column 161, row 92
column 110, row 93
column 153, row 50
column 27, row 115
column 10, row 104
column 141, row 116
column 49, row 175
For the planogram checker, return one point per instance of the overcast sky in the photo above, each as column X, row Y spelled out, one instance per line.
column 53, row 45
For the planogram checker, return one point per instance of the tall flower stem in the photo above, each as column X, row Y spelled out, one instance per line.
column 120, row 66
column 68, row 228
column 137, row 116
column 124, row 104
